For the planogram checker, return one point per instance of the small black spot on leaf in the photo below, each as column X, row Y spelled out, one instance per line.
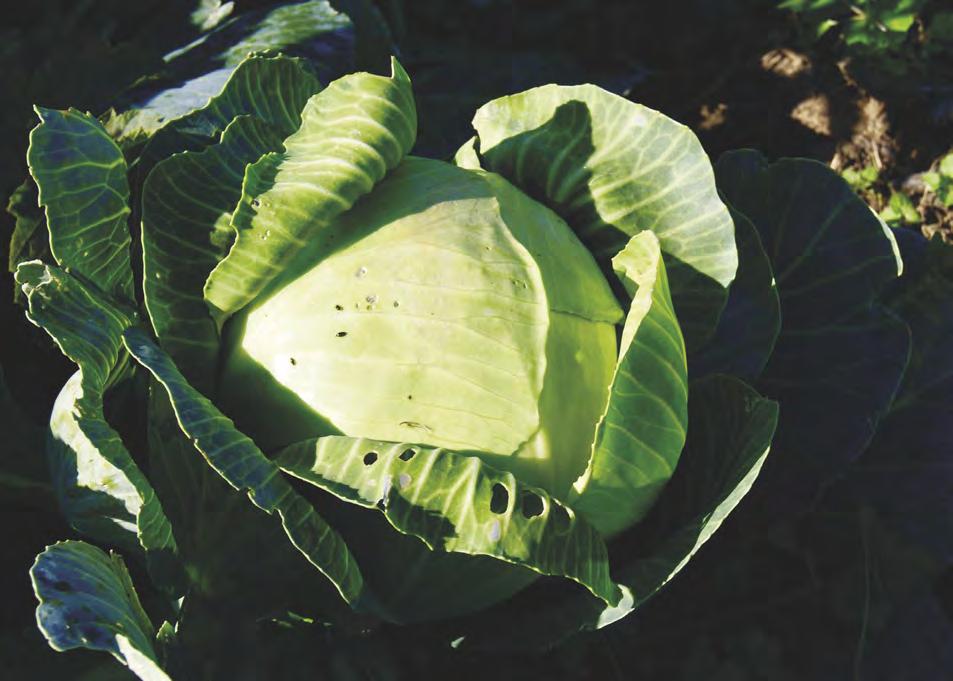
column 370, row 458
column 407, row 454
column 341, row 334
column 338, row 307
column 294, row 362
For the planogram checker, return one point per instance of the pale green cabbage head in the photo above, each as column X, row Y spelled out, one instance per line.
column 446, row 309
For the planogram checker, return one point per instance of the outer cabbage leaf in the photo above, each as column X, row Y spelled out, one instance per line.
column 840, row 355
column 198, row 71
column 641, row 434
column 30, row 239
column 612, row 169
column 87, row 600
column 273, row 89
column 907, row 471
column 101, row 490
column 187, row 205
column 351, row 134
column 307, row 24
column 467, row 155
column 749, row 326
column 457, row 503
column 727, row 443
column 81, row 175
column 730, row 435
column 238, row 558
column 240, row 463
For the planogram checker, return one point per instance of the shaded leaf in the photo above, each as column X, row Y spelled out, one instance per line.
column 30, row 239
column 81, row 175
column 236, row 458
column 313, row 30
column 273, row 89
column 750, row 324
column 24, row 475
column 908, row 469
column 100, row 488
column 187, row 205
column 457, row 503
column 840, row 355
column 728, row 440
column 612, row 169
column 917, row 644
column 87, row 600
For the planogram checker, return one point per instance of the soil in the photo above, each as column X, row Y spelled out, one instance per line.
column 772, row 90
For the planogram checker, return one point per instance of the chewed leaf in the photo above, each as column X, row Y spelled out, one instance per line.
column 351, row 134
column 87, row 600
column 239, row 461
column 101, row 490
column 612, row 169
column 187, row 206
column 641, row 434
column 81, row 174
column 457, row 503
column 728, row 441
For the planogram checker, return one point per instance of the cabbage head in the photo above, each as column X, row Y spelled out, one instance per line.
column 380, row 387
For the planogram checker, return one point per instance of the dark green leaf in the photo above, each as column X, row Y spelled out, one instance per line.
column 236, row 458
column 751, row 321
column 81, row 174
column 840, row 355
column 30, row 239
column 100, row 488
column 187, row 206
column 87, row 600
column 730, row 431
column 908, row 470
column 273, row 89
